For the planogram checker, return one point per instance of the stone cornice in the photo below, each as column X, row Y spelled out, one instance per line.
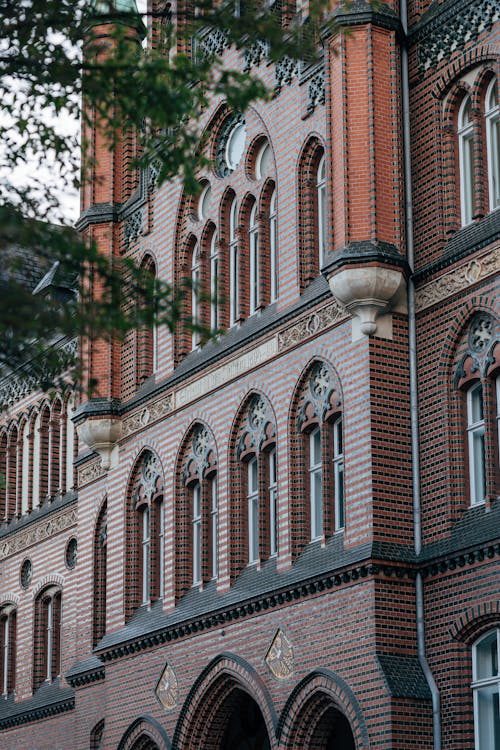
column 37, row 713
column 36, row 529
column 81, row 679
column 405, row 568
column 459, row 279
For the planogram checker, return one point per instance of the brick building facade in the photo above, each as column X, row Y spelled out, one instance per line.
column 287, row 538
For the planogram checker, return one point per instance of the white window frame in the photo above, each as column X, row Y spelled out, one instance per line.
column 146, row 554
column 253, row 243
column 498, row 414
column 195, row 295
column 253, row 509
column 483, row 686
column 476, row 444
column 161, row 547
column 214, row 525
column 338, row 474
column 273, row 247
column 273, row 503
column 316, row 497
column 6, row 616
column 196, row 522
column 321, row 198
column 50, row 636
column 492, row 117
column 264, row 151
column 466, row 162
column 234, row 276
column 214, row 283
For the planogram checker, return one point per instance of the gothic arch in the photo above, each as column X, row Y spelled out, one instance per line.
column 306, row 711
column 206, row 710
column 145, row 733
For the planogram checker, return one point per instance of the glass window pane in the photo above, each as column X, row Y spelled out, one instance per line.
column 487, row 657
column 488, row 718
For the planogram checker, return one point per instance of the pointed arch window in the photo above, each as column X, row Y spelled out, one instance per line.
column 321, row 452
column 273, row 247
column 476, row 443
column 234, row 279
column 466, row 159
column 8, row 633
column 197, row 518
column 253, row 237
column 492, row 116
column 214, row 283
column 253, row 509
column 47, row 657
column 321, row 203
column 195, row 295
column 100, row 575
column 273, row 503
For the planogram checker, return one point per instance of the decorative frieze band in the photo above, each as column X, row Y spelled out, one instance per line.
column 459, row 279
column 90, row 472
column 311, row 325
column 38, row 532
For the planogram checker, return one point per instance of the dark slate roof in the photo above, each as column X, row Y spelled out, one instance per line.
column 477, row 525
column 404, row 676
column 49, row 699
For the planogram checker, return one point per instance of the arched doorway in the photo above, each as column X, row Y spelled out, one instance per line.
column 245, row 727
column 333, row 732
column 144, row 743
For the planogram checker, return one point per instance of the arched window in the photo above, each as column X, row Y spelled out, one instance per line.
column 466, row 160
column 234, row 276
column 25, row 470
column 476, row 446
column 43, row 481
column 13, row 472
column 492, row 115
column 312, row 210
column 321, row 209
column 486, row 690
column 195, row 296
column 273, row 248
column 56, row 449
column 214, row 284
column 8, row 630
column 3, row 477
column 253, row 244
column 197, row 516
column 320, row 450
column 100, row 576
column 146, row 534
column 47, row 633
column 254, row 517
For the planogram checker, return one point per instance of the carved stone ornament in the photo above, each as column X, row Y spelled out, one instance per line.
column 279, row 658
column 481, row 332
column 150, row 481
column 151, row 413
column 259, row 426
column 284, row 73
column 311, row 325
column 316, row 91
column 202, row 448
column 462, row 22
column 133, row 227
column 459, row 279
column 37, row 532
column 254, row 55
column 90, row 472
column 319, row 395
column 167, row 690
column 213, row 42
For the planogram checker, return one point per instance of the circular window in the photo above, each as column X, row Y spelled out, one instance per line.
column 204, row 202
column 71, row 553
column 230, row 145
column 235, row 145
column 26, row 573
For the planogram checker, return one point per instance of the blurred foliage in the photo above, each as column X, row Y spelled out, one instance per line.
column 50, row 61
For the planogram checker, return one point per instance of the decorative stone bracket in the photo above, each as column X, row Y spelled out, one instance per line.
column 99, row 426
column 369, row 279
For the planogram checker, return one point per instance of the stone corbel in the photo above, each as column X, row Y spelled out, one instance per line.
column 100, row 427
column 369, row 280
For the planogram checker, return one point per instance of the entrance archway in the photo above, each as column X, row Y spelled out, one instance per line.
column 245, row 728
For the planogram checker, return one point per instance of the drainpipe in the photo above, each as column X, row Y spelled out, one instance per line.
column 415, row 452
